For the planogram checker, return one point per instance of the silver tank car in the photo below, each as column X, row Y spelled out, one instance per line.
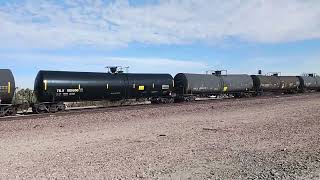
column 212, row 84
column 309, row 82
column 275, row 83
column 266, row 83
column 205, row 84
column 7, row 86
column 289, row 83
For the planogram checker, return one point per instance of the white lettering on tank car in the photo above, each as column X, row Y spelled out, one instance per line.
column 165, row 87
column 73, row 90
column 60, row 90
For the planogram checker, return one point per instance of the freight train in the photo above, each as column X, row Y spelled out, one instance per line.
column 54, row 88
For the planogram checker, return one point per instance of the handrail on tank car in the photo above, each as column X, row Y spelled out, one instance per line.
column 274, row 74
column 309, row 74
column 217, row 72
column 117, row 69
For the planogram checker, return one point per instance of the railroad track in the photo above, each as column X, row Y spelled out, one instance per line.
column 139, row 107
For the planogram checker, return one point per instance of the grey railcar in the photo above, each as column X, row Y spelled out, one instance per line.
column 266, row 83
column 308, row 83
column 212, row 84
column 198, row 84
column 276, row 83
column 289, row 83
column 236, row 83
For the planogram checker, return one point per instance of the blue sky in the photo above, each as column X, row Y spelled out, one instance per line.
column 159, row 36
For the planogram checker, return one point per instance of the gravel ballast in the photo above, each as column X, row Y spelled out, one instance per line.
column 258, row 138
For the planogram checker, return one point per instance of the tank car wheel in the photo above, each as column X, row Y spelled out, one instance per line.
column 61, row 107
column 171, row 100
column 53, row 109
column 168, row 100
column 11, row 112
column 2, row 113
column 40, row 108
column 191, row 99
column 155, row 101
column 35, row 110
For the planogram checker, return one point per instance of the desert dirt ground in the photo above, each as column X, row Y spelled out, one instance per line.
column 258, row 138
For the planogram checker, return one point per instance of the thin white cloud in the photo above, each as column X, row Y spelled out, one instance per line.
column 26, row 65
column 79, row 62
column 33, row 62
column 50, row 24
column 287, row 65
